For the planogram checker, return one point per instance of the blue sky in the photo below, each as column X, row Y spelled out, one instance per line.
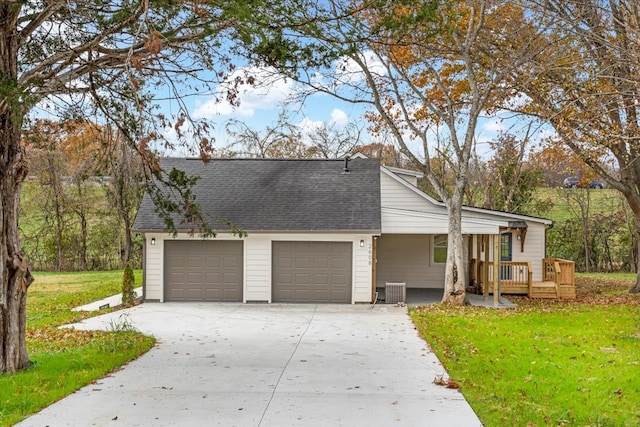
column 260, row 105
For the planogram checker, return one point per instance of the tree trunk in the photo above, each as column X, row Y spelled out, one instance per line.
column 81, row 211
column 126, row 255
column 56, row 186
column 636, row 288
column 15, row 276
column 454, row 280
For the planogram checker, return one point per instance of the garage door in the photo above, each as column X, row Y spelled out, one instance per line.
column 203, row 270
column 318, row 272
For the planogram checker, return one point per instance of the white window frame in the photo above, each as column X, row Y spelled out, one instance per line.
column 433, row 248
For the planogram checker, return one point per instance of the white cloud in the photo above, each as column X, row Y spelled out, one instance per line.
column 339, row 118
column 518, row 101
column 348, row 71
column 494, row 125
column 308, row 126
column 268, row 91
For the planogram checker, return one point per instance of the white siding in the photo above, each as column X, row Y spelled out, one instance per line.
column 534, row 248
column 410, row 222
column 395, row 194
column 407, row 258
column 257, row 263
column 257, row 268
column 398, row 223
column 153, row 274
column 362, row 269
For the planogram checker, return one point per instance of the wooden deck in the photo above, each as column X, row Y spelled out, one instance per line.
column 516, row 278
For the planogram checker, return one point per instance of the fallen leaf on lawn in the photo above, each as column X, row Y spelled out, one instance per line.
column 439, row 380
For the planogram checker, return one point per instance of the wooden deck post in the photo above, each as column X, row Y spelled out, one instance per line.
column 529, row 279
column 496, row 270
column 478, row 271
column 485, row 270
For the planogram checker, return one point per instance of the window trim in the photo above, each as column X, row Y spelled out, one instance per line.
column 433, row 249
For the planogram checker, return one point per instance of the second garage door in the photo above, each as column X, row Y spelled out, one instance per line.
column 315, row 272
column 203, row 270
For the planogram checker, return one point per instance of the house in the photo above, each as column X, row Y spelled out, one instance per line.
column 326, row 231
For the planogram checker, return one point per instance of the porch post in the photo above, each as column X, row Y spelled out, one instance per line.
column 374, row 269
column 485, row 269
column 496, row 269
column 478, row 271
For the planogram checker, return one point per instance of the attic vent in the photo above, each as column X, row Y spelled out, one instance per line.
column 346, row 165
column 395, row 292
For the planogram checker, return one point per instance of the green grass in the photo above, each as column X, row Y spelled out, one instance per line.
column 567, row 200
column 64, row 360
column 627, row 277
column 52, row 296
column 545, row 363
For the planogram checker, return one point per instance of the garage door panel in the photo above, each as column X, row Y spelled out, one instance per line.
column 229, row 262
column 302, row 262
column 312, row 272
column 213, row 295
column 321, row 278
column 214, row 262
column 203, row 270
column 322, row 296
column 302, row 295
column 338, row 263
column 339, row 278
column 303, row 279
column 321, row 263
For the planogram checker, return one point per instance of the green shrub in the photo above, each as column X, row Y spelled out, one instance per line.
column 128, row 285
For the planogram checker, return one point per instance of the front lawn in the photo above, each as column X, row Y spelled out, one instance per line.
column 545, row 363
column 64, row 360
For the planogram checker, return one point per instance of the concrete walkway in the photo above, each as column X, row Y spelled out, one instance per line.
column 112, row 301
column 268, row 365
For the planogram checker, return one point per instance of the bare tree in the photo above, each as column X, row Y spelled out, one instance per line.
column 332, row 142
column 278, row 140
column 124, row 186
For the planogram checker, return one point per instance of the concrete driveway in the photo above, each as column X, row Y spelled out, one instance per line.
column 268, row 365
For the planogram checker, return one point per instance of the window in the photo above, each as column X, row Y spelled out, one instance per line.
column 440, row 248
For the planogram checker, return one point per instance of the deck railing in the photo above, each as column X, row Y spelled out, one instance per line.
column 559, row 270
column 514, row 275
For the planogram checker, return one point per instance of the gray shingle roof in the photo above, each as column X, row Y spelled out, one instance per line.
column 279, row 195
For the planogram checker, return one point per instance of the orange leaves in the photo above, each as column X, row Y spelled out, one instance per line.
column 154, row 43
column 404, row 56
column 462, row 56
column 449, row 383
column 82, row 141
column 57, row 339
